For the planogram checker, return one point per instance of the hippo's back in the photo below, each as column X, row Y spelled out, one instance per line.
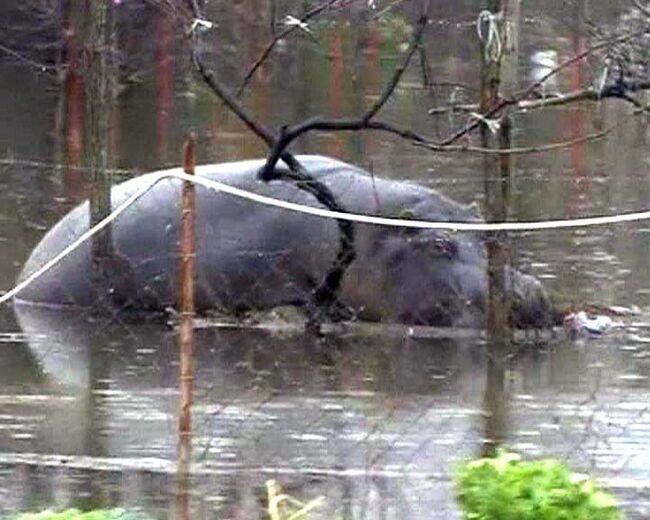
column 247, row 255
column 145, row 237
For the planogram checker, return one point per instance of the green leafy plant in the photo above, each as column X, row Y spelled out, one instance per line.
column 76, row 514
column 506, row 488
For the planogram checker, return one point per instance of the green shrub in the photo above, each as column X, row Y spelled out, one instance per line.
column 507, row 488
column 75, row 514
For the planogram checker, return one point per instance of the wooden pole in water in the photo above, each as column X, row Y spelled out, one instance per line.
column 498, row 77
column 186, row 330
column 97, row 79
column 495, row 184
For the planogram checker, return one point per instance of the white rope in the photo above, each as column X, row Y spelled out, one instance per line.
column 415, row 224
column 492, row 43
column 74, row 245
column 177, row 173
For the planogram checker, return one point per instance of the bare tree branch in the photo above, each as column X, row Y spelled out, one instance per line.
column 533, row 86
column 209, row 78
column 289, row 134
column 366, row 122
column 614, row 90
column 645, row 10
column 40, row 66
column 399, row 71
column 326, row 294
column 640, row 106
column 520, row 150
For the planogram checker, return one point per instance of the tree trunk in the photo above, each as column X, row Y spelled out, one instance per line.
column 97, row 116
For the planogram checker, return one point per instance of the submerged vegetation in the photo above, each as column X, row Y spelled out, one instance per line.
column 76, row 514
column 506, row 488
column 280, row 506
column 499, row 488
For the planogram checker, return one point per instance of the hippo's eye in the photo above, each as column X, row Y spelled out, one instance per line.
column 447, row 247
column 437, row 245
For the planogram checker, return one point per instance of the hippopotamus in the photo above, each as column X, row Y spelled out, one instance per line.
column 251, row 256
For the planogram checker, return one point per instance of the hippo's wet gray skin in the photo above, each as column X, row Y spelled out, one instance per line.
column 251, row 256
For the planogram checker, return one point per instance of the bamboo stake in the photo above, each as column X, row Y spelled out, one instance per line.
column 186, row 330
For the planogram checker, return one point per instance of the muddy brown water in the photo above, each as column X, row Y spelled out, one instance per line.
column 374, row 422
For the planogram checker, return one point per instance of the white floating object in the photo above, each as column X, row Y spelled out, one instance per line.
column 582, row 322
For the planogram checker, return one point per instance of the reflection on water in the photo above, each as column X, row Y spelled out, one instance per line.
column 374, row 423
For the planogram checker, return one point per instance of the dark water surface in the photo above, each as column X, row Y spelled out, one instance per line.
column 374, row 422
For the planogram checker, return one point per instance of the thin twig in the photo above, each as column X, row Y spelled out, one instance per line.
column 388, row 8
column 271, row 45
column 41, row 66
column 453, row 84
column 255, row 126
column 640, row 106
column 519, row 150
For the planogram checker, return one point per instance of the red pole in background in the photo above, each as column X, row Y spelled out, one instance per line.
column 165, row 78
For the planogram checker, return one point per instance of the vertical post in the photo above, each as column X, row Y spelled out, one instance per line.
column 186, row 330
column 495, row 188
column 97, row 107
column 498, row 75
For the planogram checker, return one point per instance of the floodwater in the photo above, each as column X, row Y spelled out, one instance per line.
column 374, row 422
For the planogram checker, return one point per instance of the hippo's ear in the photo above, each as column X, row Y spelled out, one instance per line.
column 475, row 209
column 406, row 214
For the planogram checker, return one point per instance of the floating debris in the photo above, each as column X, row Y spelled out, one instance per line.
column 581, row 322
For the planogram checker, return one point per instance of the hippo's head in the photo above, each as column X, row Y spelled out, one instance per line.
column 433, row 278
